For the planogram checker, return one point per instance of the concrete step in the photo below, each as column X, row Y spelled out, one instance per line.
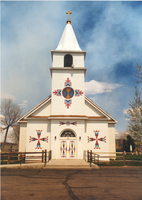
column 71, row 167
column 70, row 164
column 67, row 166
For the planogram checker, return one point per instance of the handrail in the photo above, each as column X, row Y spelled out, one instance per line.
column 91, row 156
column 44, row 157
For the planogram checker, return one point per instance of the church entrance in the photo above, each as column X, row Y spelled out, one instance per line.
column 68, row 145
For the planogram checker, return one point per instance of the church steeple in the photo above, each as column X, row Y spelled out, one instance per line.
column 68, row 73
column 68, row 41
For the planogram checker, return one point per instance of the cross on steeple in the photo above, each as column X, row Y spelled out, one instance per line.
column 68, row 22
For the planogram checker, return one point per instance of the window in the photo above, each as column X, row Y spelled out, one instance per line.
column 68, row 60
column 68, row 92
column 67, row 133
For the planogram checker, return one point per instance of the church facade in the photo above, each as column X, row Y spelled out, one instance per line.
column 67, row 122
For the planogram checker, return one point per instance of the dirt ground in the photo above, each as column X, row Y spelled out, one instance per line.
column 106, row 183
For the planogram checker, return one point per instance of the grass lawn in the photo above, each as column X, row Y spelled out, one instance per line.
column 129, row 157
column 115, row 163
column 130, row 160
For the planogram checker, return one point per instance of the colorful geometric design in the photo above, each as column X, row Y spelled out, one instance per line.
column 68, row 92
column 57, row 92
column 61, row 123
column 67, row 149
column 68, row 102
column 67, row 133
column 67, row 123
column 45, row 139
column 68, row 82
column 72, row 149
column 103, row 139
column 78, row 93
column 63, row 149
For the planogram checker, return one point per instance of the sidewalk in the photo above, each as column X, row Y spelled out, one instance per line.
column 23, row 166
column 54, row 164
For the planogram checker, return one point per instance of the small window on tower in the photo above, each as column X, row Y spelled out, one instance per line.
column 68, row 60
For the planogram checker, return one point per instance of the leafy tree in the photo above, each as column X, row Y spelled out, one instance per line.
column 138, row 73
column 10, row 112
column 125, row 146
column 135, row 117
column 127, row 143
column 130, row 141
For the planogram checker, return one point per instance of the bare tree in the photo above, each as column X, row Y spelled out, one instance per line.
column 15, row 134
column 10, row 112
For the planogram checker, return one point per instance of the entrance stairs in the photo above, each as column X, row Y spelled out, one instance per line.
column 69, row 164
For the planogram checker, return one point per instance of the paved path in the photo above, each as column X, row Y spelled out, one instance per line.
column 120, row 183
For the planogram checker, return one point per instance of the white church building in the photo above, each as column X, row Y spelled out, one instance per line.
column 67, row 122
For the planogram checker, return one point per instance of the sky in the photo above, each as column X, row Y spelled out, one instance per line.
column 110, row 32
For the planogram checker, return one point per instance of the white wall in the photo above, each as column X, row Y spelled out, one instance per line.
column 45, row 110
column 111, row 133
column 58, row 102
column 58, row 59
column 23, row 136
column 91, row 111
column 102, row 127
column 52, row 128
column 32, row 126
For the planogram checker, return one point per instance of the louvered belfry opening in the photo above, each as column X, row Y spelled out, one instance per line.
column 68, row 60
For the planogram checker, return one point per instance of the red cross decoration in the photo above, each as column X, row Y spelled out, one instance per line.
column 68, row 92
column 103, row 139
column 38, row 139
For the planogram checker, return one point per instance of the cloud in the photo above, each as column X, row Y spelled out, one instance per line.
column 23, row 104
column 125, row 111
column 109, row 31
column 2, row 132
column 96, row 87
column 5, row 95
column 115, row 38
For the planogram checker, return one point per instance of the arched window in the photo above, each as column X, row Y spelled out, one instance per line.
column 68, row 60
column 67, row 133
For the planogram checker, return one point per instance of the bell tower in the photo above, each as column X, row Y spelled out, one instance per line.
column 68, row 73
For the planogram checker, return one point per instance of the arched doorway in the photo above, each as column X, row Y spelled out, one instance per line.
column 67, row 144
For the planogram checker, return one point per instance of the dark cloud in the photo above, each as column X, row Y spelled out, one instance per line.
column 123, row 72
column 111, row 32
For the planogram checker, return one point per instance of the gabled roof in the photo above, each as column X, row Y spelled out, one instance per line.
column 100, row 109
column 68, row 41
column 104, row 115
column 24, row 117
